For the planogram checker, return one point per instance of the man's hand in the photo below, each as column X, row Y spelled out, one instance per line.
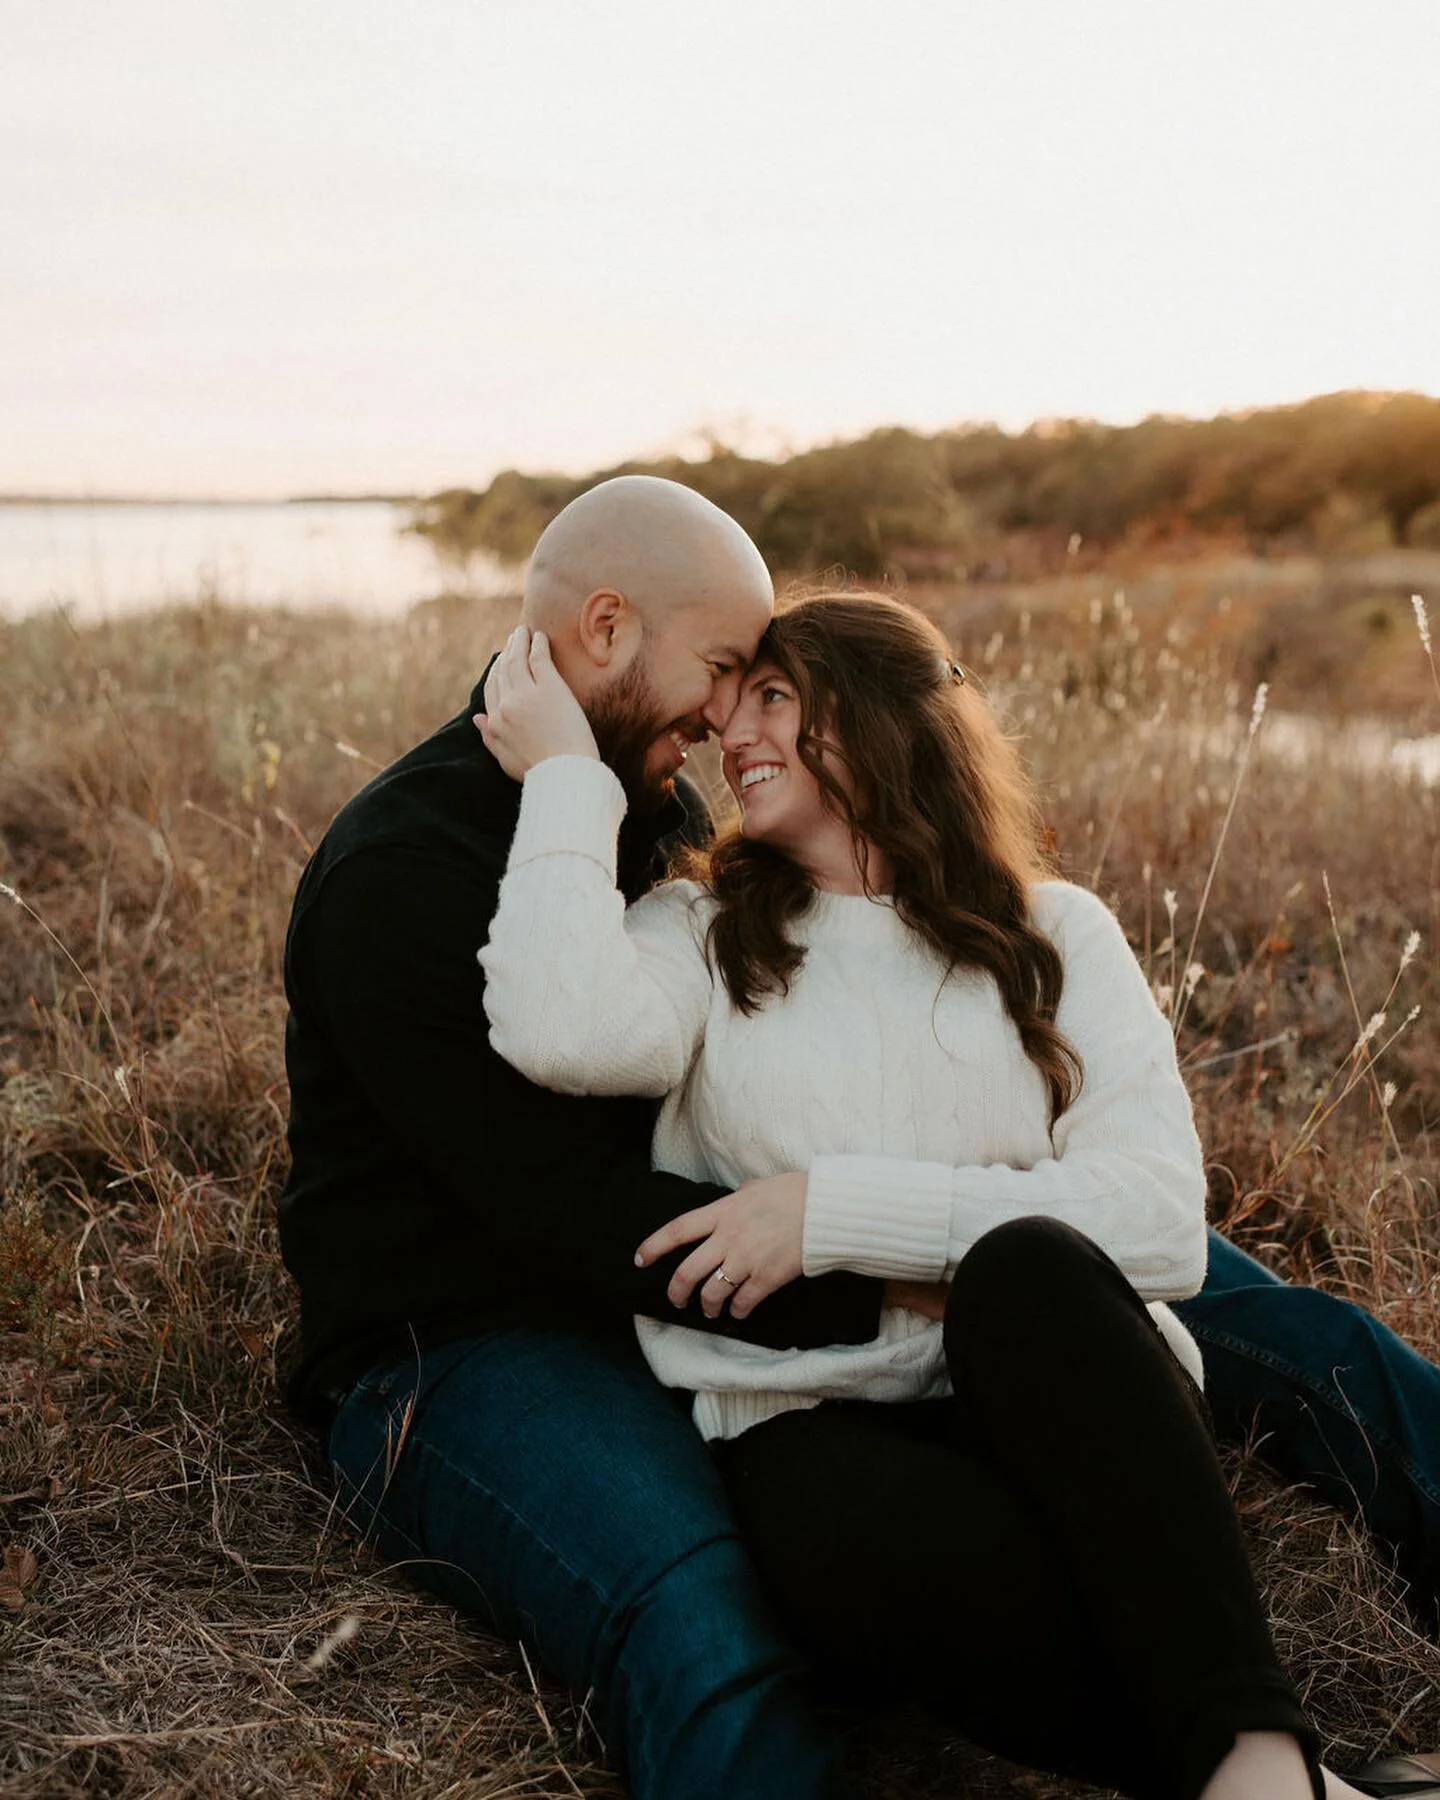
column 755, row 1235
column 530, row 714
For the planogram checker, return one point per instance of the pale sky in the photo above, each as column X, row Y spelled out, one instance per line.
column 278, row 246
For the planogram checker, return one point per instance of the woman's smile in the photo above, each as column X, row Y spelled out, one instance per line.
column 752, row 774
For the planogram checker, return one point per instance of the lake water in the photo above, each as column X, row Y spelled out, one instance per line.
column 1361, row 743
column 104, row 560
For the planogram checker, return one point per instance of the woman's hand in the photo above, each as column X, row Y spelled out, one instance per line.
column 530, row 714
column 927, row 1298
column 755, row 1235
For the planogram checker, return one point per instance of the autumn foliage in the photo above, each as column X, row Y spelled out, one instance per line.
column 1343, row 474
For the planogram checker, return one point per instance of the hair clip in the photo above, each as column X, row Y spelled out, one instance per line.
column 957, row 674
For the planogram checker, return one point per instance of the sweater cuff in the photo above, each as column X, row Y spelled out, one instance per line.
column 878, row 1215
column 569, row 806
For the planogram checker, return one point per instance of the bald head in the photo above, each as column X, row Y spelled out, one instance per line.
column 664, row 548
column 654, row 602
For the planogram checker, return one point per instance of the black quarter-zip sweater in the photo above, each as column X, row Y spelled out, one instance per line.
column 434, row 1191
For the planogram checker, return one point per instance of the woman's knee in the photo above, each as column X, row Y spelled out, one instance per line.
column 1026, row 1276
column 1022, row 1251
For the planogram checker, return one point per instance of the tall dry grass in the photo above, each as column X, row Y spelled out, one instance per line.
column 180, row 1612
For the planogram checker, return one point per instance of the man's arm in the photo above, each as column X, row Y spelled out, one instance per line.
column 565, row 1185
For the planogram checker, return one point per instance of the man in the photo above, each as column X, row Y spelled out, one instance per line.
column 464, row 1241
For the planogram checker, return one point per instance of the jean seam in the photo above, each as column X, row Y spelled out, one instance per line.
column 1318, row 1392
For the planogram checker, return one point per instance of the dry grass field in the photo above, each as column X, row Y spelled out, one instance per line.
column 180, row 1611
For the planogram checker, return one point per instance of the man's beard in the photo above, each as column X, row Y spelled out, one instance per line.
column 627, row 719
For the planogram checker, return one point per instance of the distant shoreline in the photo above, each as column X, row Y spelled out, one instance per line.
column 192, row 500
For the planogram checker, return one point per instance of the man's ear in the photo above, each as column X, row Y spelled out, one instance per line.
column 608, row 628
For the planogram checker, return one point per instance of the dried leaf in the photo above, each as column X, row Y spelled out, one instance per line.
column 20, row 1564
column 17, row 1572
column 254, row 1339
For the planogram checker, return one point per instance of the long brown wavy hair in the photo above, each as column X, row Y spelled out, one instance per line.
column 910, row 756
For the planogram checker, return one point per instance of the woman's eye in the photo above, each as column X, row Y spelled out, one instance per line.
column 770, row 694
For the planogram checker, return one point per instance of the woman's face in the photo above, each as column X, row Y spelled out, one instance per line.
column 781, row 802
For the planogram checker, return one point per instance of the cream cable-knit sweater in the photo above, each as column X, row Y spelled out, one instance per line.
column 920, row 1120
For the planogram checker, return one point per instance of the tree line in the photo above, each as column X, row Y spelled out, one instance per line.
column 1345, row 472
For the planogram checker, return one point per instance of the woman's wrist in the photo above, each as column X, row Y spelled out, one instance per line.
column 569, row 805
column 878, row 1215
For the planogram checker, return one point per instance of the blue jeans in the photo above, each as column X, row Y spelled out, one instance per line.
column 1332, row 1398
column 545, row 1482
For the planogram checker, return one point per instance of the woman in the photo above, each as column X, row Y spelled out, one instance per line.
column 914, row 1056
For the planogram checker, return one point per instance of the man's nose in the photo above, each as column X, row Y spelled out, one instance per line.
column 724, row 697
column 737, row 731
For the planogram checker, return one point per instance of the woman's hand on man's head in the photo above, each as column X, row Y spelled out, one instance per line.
column 530, row 714
column 748, row 1244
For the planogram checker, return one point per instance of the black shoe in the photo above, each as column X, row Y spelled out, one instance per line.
column 1400, row 1777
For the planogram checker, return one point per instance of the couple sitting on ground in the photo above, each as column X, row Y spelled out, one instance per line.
column 917, row 1415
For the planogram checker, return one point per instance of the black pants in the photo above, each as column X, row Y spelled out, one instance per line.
column 1051, row 1559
